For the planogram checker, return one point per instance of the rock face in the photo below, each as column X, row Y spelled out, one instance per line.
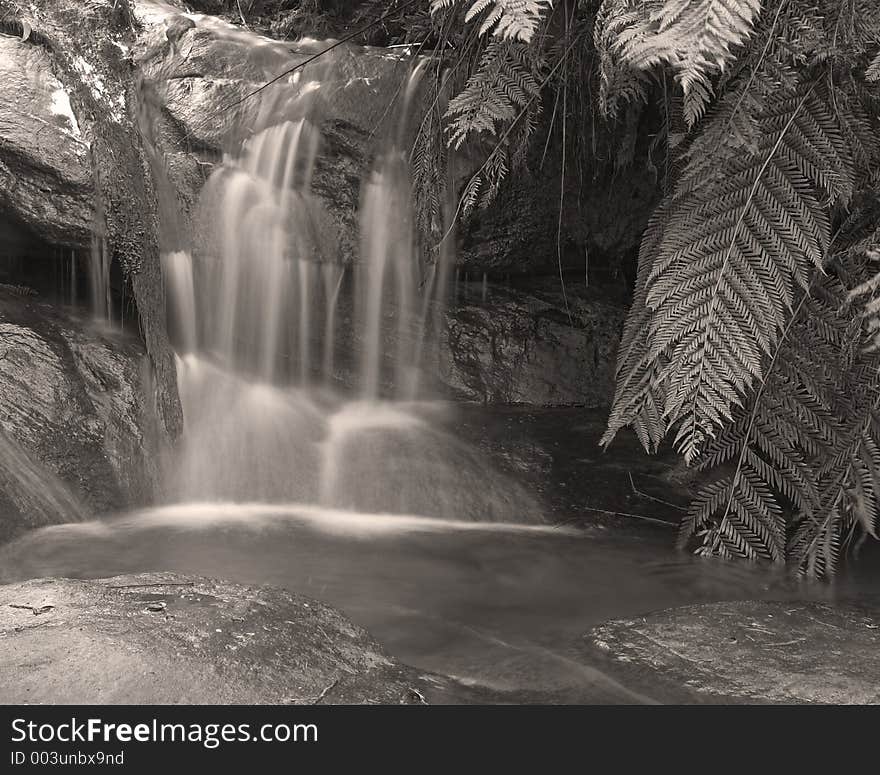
column 168, row 639
column 78, row 434
column 45, row 176
column 89, row 176
column 751, row 652
column 516, row 347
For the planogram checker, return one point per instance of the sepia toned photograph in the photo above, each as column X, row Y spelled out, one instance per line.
column 433, row 353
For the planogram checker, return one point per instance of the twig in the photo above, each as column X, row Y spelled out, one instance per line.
column 637, row 491
column 418, row 694
column 312, row 700
column 34, row 609
column 241, row 13
column 662, row 522
column 155, row 584
column 324, row 692
column 784, row 643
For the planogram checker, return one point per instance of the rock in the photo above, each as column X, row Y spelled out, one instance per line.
column 73, row 412
column 518, row 347
column 163, row 638
column 755, row 652
column 45, row 175
column 87, row 45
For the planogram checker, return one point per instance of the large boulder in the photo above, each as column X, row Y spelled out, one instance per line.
column 80, row 87
column 167, row 639
column 78, row 435
column 45, row 174
column 749, row 652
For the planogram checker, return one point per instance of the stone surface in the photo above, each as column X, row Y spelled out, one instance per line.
column 167, row 639
column 78, row 433
column 518, row 347
column 751, row 652
column 45, row 175
column 86, row 45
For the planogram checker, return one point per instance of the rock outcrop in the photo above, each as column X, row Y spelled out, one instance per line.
column 168, row 639
column 78, row 434
column 538, row 347
column 45, row 173
column 750, row 652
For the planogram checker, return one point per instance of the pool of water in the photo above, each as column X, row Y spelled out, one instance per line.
column 498, row 608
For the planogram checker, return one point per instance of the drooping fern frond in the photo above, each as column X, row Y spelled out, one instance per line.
column 744, row 229
column 504, row 83
column 428, row 162
column 506, row 19
column 695, row 37
column 768, row 461
column 873, row 71
column 638, row 397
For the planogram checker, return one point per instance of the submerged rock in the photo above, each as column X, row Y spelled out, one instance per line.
column 162, row 638
column 537, row 347
column 77, row 430
column 750, row 651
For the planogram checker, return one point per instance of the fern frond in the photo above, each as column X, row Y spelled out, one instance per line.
column 638, row 396
column 739, row 239
column 506, row 19
column 428, row 162
column 504, row 83
column 788, row 448
column 873, row 71
column 695, row 37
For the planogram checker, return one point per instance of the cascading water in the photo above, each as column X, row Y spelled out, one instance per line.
column 258, row 309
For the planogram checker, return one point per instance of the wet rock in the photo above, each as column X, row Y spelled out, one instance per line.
column 163, row 638
column 81, row 57
column 45, row 175
column 535, row 347
column 79, row 435
column 747, row 651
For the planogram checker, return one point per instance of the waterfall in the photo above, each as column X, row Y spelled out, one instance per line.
column 267, row 326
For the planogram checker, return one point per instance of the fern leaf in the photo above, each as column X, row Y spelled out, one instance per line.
column 736, row 244
column 694, row 37
column 638, row 398
column 503, row 84
column 873, row 71
column 506, row 19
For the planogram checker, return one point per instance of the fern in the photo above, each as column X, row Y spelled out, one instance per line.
column 742, row 341
column 504, row 83
column 428, row 162
column 639, row 397
column 506, row 19
column 694, row 37
column 744, row 227
column 873, row 71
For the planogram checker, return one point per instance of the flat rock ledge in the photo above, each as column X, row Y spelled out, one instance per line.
column 163, row 638
column 749, row 652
